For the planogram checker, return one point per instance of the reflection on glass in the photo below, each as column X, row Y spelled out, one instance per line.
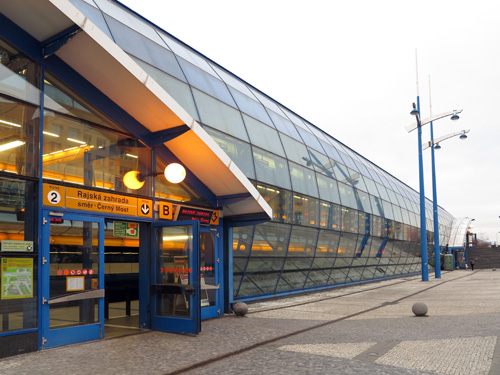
column 89, row 155
column 237, row 150
column 305, row 210
column 208, row 282
column 280, row 201
column 18, row 129
column 175, row 249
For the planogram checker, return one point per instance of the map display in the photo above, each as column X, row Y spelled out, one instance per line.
column 16, row 278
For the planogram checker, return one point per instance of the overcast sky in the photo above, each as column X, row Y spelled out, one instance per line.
column 349, row 67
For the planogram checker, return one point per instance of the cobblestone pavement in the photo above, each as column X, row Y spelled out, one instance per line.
column 362, row 329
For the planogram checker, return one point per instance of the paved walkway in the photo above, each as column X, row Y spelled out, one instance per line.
column 364, row 329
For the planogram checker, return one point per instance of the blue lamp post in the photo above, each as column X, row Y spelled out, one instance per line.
column 423, row 231
column 437, row 146
column 434, row 144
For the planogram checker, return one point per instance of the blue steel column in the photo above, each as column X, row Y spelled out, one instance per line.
column 423, row 230
column 437, row 251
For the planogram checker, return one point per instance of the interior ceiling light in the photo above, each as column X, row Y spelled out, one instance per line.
column 8, row 146
column 10, row 123
column 51, row 134
column 76, row 140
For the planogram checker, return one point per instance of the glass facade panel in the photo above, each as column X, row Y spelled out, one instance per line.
column 310, row 139
column 305, row 210
column 330, row 216
column 269, row 250
column 179, row 90
column 299, row 258
column 206, row 82
column 263, row 136
column 347, row 196
column 328, row 189
column 18, row 137
column 85, row 154
column 219, row 115
column 280, row 201
column 285, row 126
column 296, row 151
column 324, row 259
column 237, row 150
column 242, row 247
column 303, row 180
column 271, row 168
column 251, row 107
column 145, row 49
column 21, row 79
column 350, row 221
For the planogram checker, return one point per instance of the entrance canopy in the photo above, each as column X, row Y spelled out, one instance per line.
column 89, row 51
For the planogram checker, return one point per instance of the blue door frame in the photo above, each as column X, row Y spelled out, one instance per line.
column 174, row 283
column 78, row 333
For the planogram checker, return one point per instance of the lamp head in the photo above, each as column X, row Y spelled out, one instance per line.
column 134, row 180
column 455, row 117
column 414, row 112
column 463, row 136
column 437, row 146
column 175, row 173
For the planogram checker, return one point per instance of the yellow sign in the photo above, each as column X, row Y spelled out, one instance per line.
column 88, row 200
column 215, row 218
column 145, row 207
column 166, row 211
column 53, row 195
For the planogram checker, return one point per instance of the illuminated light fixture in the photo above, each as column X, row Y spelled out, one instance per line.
column 134, row 180
column 10, row 123
column 77, row 141
column 175, row 173
column 463, row 136
column 455, row 117
column 10, row 145
column 132, row 156
column 51, row 134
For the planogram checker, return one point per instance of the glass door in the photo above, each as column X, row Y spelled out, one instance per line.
column 175, row 278
column 210, row 286
column 72, row 308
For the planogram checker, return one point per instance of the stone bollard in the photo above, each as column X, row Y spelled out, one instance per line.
column 240, row 308
column 419, row 309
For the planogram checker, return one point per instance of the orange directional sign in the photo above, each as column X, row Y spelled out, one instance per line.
column 89, row 200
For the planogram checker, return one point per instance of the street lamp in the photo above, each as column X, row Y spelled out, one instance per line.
column 435, row 145
column 423, row 231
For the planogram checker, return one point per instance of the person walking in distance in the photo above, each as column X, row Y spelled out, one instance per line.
column 472, row 265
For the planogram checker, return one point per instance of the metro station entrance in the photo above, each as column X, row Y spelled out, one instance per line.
column 98, row 282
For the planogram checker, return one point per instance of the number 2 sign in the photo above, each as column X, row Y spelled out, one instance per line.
column 53, row 195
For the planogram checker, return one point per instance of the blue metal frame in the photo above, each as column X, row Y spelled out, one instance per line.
column 71, row 335
column 215, row 311
column 179, row 324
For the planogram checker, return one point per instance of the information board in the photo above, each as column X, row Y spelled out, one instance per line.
column 16, row 278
